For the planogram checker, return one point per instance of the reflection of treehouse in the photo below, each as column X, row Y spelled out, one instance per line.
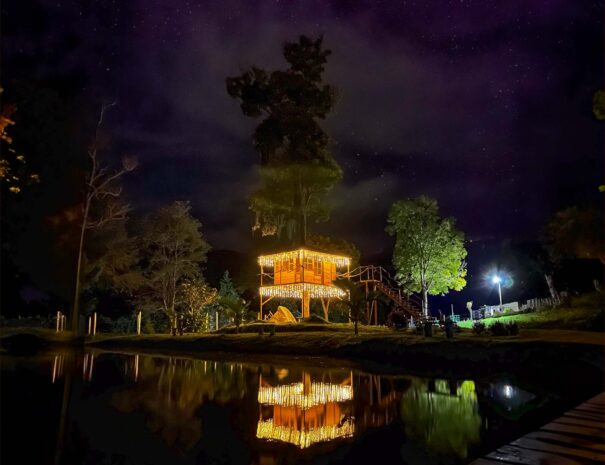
column 301, row 274
column 305, row 413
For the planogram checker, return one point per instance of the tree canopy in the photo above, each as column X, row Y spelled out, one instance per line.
column 297, row 169
column 173, row 249
column 429, row 250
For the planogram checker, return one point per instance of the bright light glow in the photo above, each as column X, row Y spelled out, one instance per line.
column 508, row 391
column 295, row 291
column 304, row 254
column 293, row 395
column 496, row 279
column 304, row 438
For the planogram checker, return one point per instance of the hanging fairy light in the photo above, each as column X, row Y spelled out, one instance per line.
column 293, row 395
column 304, row 438
column 304, row 254
column 295, row 291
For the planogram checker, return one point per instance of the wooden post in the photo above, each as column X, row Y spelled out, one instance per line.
column 58, row 320
column 94, row 324
column 260, row 310
column 139, row 323
column 452, row 307
column 89, row 324
column 305, row 304
column 216, row 320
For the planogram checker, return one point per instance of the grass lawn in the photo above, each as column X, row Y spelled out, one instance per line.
column 585, row 314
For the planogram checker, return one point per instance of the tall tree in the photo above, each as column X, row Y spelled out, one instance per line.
column 575, row 233
column 429, row 250
column 297, row 169
column 101, row 202
column 173, row 249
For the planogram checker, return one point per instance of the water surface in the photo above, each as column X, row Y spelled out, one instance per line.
column 105, row 408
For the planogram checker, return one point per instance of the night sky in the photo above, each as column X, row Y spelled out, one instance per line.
column 484, row 105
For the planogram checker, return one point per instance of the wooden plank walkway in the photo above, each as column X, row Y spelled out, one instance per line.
column 576, row 438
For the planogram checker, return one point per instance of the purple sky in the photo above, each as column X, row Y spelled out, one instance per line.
column 485, row 105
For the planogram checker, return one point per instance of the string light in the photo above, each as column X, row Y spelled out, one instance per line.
column 304, row 438
column 295, row 291
column 293, row 395
column 304, row 254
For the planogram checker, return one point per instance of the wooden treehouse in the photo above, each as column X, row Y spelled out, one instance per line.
column 301, row 274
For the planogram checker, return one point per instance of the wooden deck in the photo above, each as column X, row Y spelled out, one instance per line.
column 576, row 438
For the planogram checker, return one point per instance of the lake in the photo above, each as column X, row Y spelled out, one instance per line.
column 127, row 408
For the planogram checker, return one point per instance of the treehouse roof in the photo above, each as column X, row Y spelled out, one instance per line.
column 338, row 260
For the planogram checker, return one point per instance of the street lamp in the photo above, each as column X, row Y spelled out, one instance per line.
column 497, row 280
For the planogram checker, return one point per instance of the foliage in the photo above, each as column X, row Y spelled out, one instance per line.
column 397, row 319
column 598, row 105
column 237, row 309
column 575, row 233
column 196, row 301
column 428, row 417
column 297, row 169
column 429, row 251
column 13, row 165
column 499, row 328
column 291, row 195
column 226, row 286
column 356, row 299
column 479, row 328
column 336, row 246
column 173, row 249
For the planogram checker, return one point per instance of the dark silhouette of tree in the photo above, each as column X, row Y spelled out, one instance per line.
column 101, row 204
column 297, row 169
column 357, row 299
column 429, row 250
column 575, row 233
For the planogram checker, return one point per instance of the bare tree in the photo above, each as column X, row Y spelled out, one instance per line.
column 101, row 203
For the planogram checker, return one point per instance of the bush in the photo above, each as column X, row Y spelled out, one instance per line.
column 397, row 320
column 478, row 328
column 504, row 329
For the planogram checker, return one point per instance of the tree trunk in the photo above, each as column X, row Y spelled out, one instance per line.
column 75, row 314
column 356, row 328
column 425, row 302
column 551, row 287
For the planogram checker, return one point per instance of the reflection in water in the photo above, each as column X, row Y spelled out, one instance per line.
column 306, row 412
column 169, row 391
column 442, row 416
column 196, row 411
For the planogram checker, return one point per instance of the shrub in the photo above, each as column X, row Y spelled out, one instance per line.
column 504, row 329
column 397, row 320
column 478, row 328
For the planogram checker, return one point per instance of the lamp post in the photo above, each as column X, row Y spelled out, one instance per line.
column 497, row 280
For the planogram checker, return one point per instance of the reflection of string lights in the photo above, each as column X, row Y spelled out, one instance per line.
column 269, row 260
column 305, row 438
column 295, row 291
column 293, row 395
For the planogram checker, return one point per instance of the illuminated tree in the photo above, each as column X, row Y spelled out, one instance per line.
column 429, row 251
column 173, row 250
column 196, row 299
column 101, row 203
column 297, row 169
column 12, row 163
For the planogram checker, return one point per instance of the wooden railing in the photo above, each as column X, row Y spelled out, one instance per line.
column 382, row 280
